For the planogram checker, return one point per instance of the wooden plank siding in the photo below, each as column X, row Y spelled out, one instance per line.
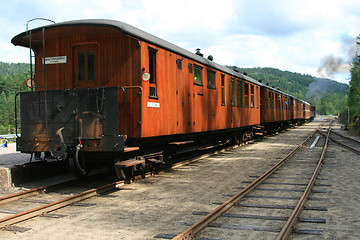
column 118, row 64
column 307, row 110
column 186, row 107
column 276, row 106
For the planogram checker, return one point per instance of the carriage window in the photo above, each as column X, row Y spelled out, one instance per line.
column 279, row 101
column 179, row 64
column 232, row 92
column 86, row 65
column 239, row 93
column 246, row 93
column 190, row 66
column 91, row 64
column 222, row 89
column 288, row 102
column 81, row 61
column 197, row 75
column 273, row 100
column 152, row 71
column 211, row 79
column 252, row 97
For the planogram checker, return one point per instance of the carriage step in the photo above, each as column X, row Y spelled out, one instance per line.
column 129, row 163
column 131, row 149
column 125, row 169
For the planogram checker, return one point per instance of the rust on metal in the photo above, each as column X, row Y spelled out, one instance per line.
column 5, row 222
column 20, row 195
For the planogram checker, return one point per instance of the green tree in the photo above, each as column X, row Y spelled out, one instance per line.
column 354, row 92
column 12, row 80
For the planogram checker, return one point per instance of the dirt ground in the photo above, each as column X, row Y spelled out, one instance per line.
column 154, row 205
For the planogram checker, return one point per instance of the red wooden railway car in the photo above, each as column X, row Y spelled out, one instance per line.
column 312, row 112
column 276, row 106
column 298, row 109
column 101, row 86
column 307, row 111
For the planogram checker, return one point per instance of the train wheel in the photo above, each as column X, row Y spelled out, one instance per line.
column 244, row 137
column 251, row 135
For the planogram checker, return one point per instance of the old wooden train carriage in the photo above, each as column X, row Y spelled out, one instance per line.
column 312, row 112
column 307, row 111
column 276, row 106
column 298, row 109
column 101, row 86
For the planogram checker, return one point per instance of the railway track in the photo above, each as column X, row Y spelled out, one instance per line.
column 44, row 200
column 281, row 183
column 344, row 141
column 292, row 178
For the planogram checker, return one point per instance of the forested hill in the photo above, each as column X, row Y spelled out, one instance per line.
column 327, row 95
column 12, row 80
column 295, row 83
column 13, row 68
column 13, row 77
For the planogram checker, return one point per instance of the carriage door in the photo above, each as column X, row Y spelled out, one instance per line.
column 183, row 98
column 86, row 66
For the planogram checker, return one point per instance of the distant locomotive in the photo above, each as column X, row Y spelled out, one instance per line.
column 102, row 88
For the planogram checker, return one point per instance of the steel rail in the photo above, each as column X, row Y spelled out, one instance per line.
column 290, row 223
column 24, row 194
column 341, row 144
column 352, row 139
column 85, row 195
column 39, row 190
column 192, row 231
column 76, row 198
column 56, row 205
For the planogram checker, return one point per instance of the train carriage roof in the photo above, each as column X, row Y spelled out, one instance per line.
column 22, row 40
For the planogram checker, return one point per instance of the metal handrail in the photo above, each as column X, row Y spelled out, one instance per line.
column 31, row 68
column 16, row 124
column 123, row 89
column 34, row 19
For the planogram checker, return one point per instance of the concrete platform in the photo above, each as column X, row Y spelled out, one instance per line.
column 15, row 167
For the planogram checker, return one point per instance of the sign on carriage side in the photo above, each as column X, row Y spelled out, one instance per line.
column 55, row 60
column 153, row 105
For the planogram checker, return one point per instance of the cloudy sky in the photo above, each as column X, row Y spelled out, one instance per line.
column 306, row 36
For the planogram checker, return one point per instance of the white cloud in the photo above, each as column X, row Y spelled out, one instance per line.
column 178, row 16
column 290, row 35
